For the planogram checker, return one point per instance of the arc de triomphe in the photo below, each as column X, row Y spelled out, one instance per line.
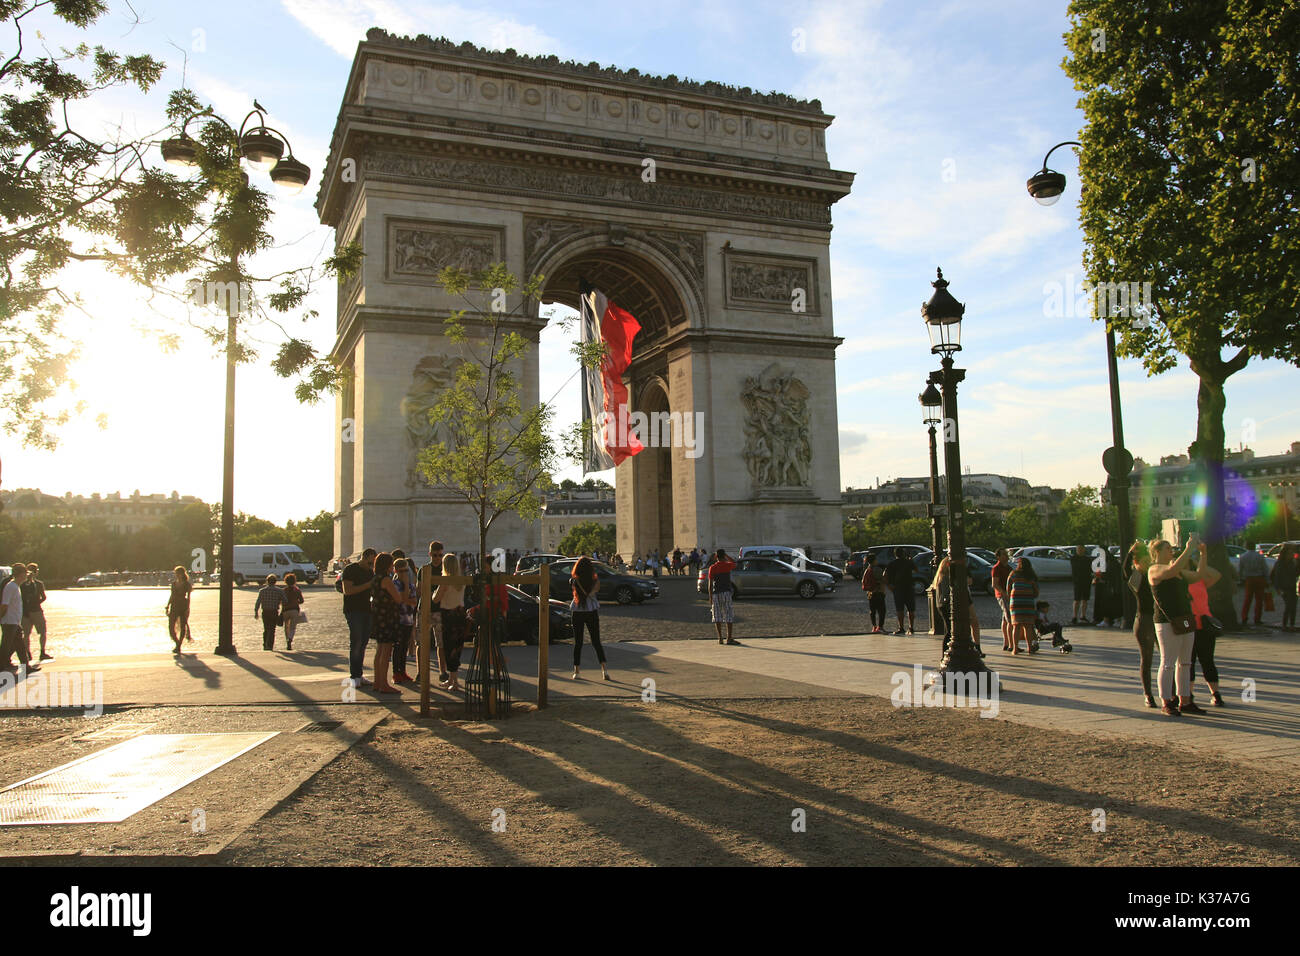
column 701, row 209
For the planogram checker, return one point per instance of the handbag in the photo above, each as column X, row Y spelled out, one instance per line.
column 1183, row 624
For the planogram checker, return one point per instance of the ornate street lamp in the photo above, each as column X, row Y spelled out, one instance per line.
column 1046, row 187
column 262, row 147
column 931, row 402
column 943, row 315
column 1286, row 508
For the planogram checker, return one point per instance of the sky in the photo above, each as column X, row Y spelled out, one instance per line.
column 942, row 110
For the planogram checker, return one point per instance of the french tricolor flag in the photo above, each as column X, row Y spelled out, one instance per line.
column 604, row 322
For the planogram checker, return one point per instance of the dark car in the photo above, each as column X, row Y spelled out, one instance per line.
column 521, row 617
column 885, row 553
column 794, row 559
column 614, row 585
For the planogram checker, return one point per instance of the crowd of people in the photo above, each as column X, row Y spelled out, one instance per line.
column 674, row 563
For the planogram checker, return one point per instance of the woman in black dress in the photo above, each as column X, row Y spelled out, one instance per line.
column 178, row 609
column 386, row 618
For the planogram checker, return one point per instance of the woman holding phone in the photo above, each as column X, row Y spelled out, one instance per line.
column 1174, row 621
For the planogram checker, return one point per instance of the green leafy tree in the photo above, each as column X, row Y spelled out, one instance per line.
column 498, row 457
column 590, row 536
column 315, row 536
column 1189, row 168
column 56, row 189
column 1022, row 527
column 194, row 526
column 70, row 196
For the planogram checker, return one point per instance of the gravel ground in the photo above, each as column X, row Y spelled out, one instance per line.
column 723, row 783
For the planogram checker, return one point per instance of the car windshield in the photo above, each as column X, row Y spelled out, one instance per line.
column 297, row 557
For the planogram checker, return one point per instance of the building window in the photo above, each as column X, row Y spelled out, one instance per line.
column 1169, row 502
column 1155, row 502
column 1187, row 499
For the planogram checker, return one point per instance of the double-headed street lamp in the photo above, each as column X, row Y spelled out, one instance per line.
column 263, row 148
column 931, row 415
column 943, row 315
column 1046, row 186
column 1286, row 507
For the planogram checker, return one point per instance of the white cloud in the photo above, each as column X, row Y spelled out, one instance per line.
column 342, row 24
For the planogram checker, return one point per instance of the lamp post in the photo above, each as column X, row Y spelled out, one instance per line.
column 931, row 401
column 943, row 315
column 263, row 148
column 1286, row 508
column 1046, row 187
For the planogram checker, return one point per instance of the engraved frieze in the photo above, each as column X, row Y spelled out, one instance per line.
column 421, row 251
column 591, row 186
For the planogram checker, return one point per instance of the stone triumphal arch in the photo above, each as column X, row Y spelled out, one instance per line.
column 702, row 209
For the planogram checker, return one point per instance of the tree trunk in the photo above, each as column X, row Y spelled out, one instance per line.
column 1207, row 453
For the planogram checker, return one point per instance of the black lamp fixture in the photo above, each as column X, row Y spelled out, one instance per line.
column 262, row 146
column 931, row 402
column 943, row 315
column 181, row 151
column 1046, row 185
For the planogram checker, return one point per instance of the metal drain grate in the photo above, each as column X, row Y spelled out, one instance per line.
column 109, row 786
column 320, row 726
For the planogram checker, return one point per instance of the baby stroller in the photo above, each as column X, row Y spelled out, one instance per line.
column 1058, row 642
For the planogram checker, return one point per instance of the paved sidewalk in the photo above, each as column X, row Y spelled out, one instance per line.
column 1093, row 690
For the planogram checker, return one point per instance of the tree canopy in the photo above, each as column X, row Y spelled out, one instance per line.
column 69, row 196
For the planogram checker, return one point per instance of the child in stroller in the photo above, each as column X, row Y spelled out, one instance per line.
column 1044, row 626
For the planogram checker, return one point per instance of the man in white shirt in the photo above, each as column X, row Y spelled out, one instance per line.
column 11, row 622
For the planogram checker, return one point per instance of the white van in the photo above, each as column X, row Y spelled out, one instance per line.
column 253, row 562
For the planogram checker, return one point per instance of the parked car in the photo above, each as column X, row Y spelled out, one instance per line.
column 788, row 555
column 1050, row 564
column 754, row 576
column 530, row 562
column 990, row 556
column 521, row 617
column 614, row 585
column 885, row 553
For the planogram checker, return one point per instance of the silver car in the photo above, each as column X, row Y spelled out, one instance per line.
column 755, row 576
column 1050, row 564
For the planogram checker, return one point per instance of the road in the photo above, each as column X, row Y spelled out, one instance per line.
column 95, row 621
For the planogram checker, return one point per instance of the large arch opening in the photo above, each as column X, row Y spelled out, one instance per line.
column 662, row 304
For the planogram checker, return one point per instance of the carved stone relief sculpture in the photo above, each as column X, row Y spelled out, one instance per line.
column 432, row 376
column 426, row 252
column 777, row 452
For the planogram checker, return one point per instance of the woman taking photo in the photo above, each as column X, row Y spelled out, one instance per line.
column 1175, row 624
column 586, row 613
column 385, row 618
column 1022, row 598
column 178, row 608
column 1144, row 628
